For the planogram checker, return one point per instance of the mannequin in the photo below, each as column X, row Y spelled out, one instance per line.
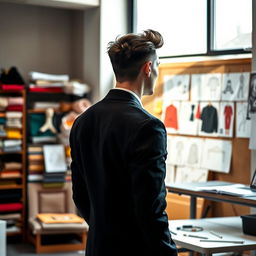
column 48, row 125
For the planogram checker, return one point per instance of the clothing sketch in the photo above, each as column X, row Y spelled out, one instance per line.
column 209, row 117
column 171, row 117
column 213, row 84
column 228, row 112
column 242, row 119
column 193, row 154
column 228, row 87
column 240, row 93
column 179, row 152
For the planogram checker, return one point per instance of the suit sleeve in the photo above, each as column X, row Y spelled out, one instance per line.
column 147, row 166
column 79, row 188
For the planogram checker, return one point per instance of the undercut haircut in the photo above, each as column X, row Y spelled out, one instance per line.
column 129, row 52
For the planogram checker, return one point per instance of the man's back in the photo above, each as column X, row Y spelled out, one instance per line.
column 118, row 178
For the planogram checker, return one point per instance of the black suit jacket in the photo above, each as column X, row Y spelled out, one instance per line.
column 118, row 168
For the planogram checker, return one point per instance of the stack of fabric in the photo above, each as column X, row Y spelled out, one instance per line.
column 35, row 162
column 10, row 208
column 42, row 82
column 11, row 80
column 12, row 146
column 11, row 170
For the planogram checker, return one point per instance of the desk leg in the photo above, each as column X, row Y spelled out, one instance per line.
column 192, row 207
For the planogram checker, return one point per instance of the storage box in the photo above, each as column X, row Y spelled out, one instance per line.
column 249, row 224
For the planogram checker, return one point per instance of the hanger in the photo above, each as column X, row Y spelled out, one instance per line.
column 48, row 125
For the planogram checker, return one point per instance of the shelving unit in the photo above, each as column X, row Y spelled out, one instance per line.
column 20, row 156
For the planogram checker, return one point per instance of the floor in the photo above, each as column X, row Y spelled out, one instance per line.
column 26, row 249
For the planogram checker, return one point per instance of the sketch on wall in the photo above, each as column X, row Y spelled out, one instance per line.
column 226, row 119
column 196, row 84
column 209, row 114
column 176, row 87
column 193, row 153
column 188, row 118
column 176, row 150
column 188, row 174
column 243, row 126
column 217, row 155
column 235, row 86
column 171, row 117
column 170, row 174
column 211, row 87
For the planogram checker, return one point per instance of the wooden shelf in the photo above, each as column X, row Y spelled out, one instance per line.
column 11, row 187
column 8, row 153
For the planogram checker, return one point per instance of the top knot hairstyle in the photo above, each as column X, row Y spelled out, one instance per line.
column 129, row 52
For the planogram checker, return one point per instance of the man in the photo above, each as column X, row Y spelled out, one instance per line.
column 118, row 159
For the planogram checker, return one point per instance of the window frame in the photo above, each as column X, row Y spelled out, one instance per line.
column 132, row 23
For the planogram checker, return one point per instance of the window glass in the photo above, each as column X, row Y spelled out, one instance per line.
column 232, row 24
column 182, row 23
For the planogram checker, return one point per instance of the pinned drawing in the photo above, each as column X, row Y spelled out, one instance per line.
column 217, row 155
column 171, row 117
column 188, row 174
column 188, row 121
column 211, row 87
column 226, row 119
column 235, row 86
column 176, row 87
column 176, row 150
column 208, row 126
column 196, row 84
column 170, row 174
column 193, row 153
column 243, row 126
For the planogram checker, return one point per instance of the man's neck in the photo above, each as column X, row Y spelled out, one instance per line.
column 130, row 86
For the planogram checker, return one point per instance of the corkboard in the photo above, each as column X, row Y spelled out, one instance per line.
column 241, row 155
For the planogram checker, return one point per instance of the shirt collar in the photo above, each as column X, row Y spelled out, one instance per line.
column 127, row 90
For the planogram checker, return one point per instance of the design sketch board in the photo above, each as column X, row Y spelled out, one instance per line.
column 241, row 155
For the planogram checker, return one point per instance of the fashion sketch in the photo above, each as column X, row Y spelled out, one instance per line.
column 196, row 84
column 235, row 86
column 176, row 87
column 190, row 174
column 252, row 94
column 211, row 87
column 176, row 150
column 226, row 119
column 243, row 126
column 217, row 155
column 170, row 174
column 193, row 153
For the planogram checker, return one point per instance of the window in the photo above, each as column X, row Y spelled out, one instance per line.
column 232, row 26
column 196, row 27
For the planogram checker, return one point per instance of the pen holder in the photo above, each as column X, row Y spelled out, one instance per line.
column 249, row 224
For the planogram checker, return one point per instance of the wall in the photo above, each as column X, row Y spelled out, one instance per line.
column 40, row 39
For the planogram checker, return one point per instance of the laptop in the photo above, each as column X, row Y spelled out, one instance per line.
column 253, row 182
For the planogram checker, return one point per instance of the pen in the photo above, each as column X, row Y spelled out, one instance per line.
column 223, row 241
column 203, row 237
column 213, row 233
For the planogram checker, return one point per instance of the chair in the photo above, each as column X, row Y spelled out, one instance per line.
column 54, row 237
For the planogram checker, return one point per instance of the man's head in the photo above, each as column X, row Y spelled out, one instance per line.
column 132, row 53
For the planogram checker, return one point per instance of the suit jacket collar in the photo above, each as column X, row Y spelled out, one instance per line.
column 122, row 95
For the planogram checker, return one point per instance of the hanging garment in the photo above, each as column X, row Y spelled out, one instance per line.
column 171, row 119
column 209, row 117
column 228, row 112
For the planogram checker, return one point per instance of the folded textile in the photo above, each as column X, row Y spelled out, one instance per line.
column 7, row 216
column 12, row 87
column 37, row 139
column 12, row 165
column 14, row 108
column 13, row 114
column 46, row 89
column 35, row 177
column 76, row 88
column 45, row 105
column 10, row 143
column 12, row 149
column 3, row 102
column 10, row 207
column 15, row 101
column 10, row 174
column 50, row 77
column 13, row 133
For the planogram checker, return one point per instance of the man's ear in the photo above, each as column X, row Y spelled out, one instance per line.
column 147, row 68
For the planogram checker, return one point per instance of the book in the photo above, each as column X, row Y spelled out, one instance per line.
column 230, row 189
column 59, row 218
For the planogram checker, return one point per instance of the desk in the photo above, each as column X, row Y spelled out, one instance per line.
column 190, row 190
column 229, row 227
